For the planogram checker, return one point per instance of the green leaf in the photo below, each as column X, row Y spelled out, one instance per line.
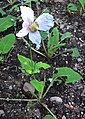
column 2, row 12
column 7, row 22
column 27, row 64
column 71, row 75
column 66, row 35
column 7, row 43
column 75, row 52
column 53, row 41
column 72, row 7
column 82, row 2
column 48, row 117
column 42, row 65
column 38, row 85
column 53, row 38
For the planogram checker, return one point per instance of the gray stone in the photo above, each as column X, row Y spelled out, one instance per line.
column 79, row 59
column 57, row 99
column 28, row 87
column 10, row 87
column 63, row 117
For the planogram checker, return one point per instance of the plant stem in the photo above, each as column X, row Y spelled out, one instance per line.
column 20, row 100
column 45, row 48
column 30, row 51
column 33, row 48
column 49, row 87
column 30, row 4
column 37, row 9
column 43, row 87
column 44, row 105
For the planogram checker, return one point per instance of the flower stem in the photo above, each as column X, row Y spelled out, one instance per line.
column 44, row 48
column 33, row 48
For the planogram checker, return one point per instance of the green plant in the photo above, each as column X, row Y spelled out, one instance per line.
column 54, row 41
column 6, row 44
column 63, row 74
column 76, row 7
column 30, row 67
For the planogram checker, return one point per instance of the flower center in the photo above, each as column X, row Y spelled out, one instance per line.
column 33, row 27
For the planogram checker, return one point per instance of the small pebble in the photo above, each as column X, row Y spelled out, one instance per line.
column 50, row 79
column 57, row 99
column 66, row 62
column 79, row 59
column 63, row 117
column 28, row 87
column 10, row 87
column 68, row 27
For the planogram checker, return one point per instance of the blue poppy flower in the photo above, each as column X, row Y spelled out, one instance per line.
column 30, row 26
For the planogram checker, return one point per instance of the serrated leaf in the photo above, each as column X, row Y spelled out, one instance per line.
column 72, row 7
column 66, row 35
column 71, row 75
column 48, row 117
column 7, row 22
column 38, row 85
column 75, row 52
column 7, row 43
column 2, row 12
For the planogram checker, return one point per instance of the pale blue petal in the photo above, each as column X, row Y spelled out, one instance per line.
column 23, row 32
column 35, row 37
column 45, row 21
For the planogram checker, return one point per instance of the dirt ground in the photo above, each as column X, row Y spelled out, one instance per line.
column 72, row 95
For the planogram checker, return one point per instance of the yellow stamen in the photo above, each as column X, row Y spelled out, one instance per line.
column 33, row 27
